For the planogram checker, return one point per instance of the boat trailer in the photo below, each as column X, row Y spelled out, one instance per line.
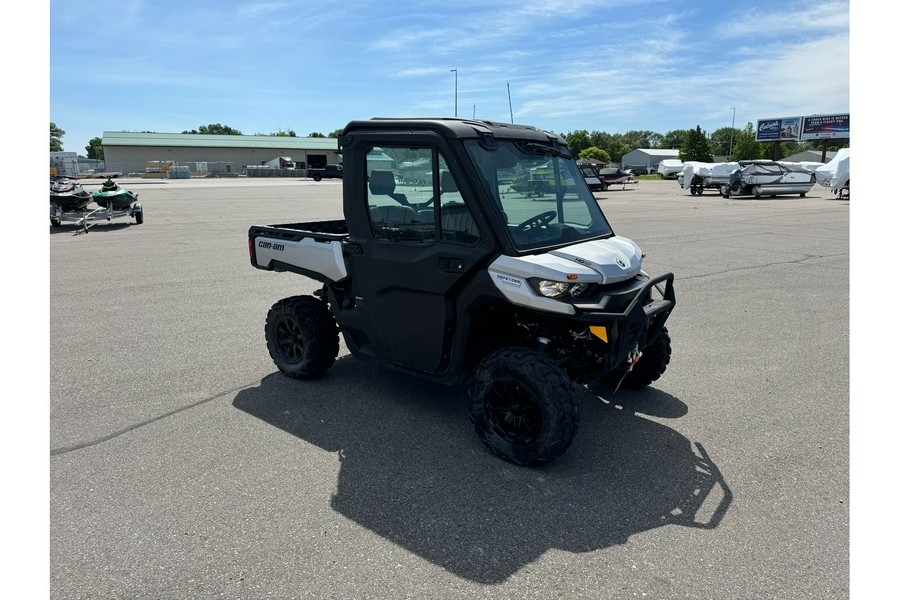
column 87, row 218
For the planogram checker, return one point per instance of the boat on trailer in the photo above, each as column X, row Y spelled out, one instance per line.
column 768, row 178
column 68, row 194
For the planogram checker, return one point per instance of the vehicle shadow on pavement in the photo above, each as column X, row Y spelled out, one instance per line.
column 647, row 401
column 414, row 472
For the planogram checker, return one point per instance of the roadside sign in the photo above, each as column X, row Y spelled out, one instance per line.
column 825, row 127
column 786, row 129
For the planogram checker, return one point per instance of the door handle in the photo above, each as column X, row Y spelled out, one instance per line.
column 451, row 265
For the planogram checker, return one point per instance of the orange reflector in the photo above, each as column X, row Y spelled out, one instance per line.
column 600, row 332
column 571, row 276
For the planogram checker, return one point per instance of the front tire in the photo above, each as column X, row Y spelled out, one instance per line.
column 302, row 336
column 652, row 364
column 523, row 406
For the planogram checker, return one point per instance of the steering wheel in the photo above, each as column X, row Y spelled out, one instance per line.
column 541, row 220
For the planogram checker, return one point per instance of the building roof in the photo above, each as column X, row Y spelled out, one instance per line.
column 810, row 155
column 199, row 140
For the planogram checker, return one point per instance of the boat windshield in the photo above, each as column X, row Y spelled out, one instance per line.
column 539, row 193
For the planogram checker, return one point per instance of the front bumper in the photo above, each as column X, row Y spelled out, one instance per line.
column 627, row 317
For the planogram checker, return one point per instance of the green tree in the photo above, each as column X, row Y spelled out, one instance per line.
column 785, row 149
column 577, row 140
column 316, row 134
column 601, row 139
column 596, row 153
column 95, row 148
column 745, row 145
column 288, row 133
column 721, row 142
column 675, row 138
column 336, row 133
column 617, row 148
column 696, row 147
column 56, row 135
column 641, row 139
column 215, row 129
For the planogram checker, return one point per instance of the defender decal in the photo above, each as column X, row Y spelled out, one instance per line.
column 509, row 280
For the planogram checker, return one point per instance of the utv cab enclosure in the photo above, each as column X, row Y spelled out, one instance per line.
column 448, row 273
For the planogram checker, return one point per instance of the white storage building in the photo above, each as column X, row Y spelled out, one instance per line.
column 647, row 159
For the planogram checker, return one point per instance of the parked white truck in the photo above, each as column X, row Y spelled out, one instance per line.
column 280, row 162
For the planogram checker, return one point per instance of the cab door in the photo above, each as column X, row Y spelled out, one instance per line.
column 421, row 243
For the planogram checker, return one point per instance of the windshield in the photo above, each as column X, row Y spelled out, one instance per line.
column 539, row 194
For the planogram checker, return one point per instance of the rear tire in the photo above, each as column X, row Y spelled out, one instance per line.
column 55, row 222
column 523, row 406
column 302, row 336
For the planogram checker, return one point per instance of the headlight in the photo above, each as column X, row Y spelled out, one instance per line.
column 553, row 289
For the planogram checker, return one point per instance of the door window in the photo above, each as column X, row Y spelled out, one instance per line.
column 413, row 198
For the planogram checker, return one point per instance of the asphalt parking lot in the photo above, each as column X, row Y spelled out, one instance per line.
column 183, row 465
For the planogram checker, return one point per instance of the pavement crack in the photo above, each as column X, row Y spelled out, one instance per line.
column 764, row 266
column 114, row 435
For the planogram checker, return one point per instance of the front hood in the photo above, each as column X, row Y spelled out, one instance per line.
column 615, row 259
column 598, row 261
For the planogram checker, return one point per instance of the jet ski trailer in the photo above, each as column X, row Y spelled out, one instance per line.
column 85, row 218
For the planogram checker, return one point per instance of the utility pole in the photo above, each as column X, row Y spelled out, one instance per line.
column 731, row 143
column 510, row 102
column 455, row 91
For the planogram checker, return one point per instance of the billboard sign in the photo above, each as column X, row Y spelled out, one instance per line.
column 778, row 130
column 825, row 127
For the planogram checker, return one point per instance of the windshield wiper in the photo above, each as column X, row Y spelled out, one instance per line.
column 543, row 149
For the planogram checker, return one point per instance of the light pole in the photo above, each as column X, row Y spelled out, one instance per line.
column 731, row 143
column 455, row 91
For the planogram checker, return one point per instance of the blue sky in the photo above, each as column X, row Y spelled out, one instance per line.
column 608, row 65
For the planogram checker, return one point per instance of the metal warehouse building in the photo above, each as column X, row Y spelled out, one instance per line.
column 213, row 154
column 647, row 158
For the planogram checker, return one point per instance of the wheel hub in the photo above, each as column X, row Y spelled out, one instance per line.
column 290, row 340
column 513, row 413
